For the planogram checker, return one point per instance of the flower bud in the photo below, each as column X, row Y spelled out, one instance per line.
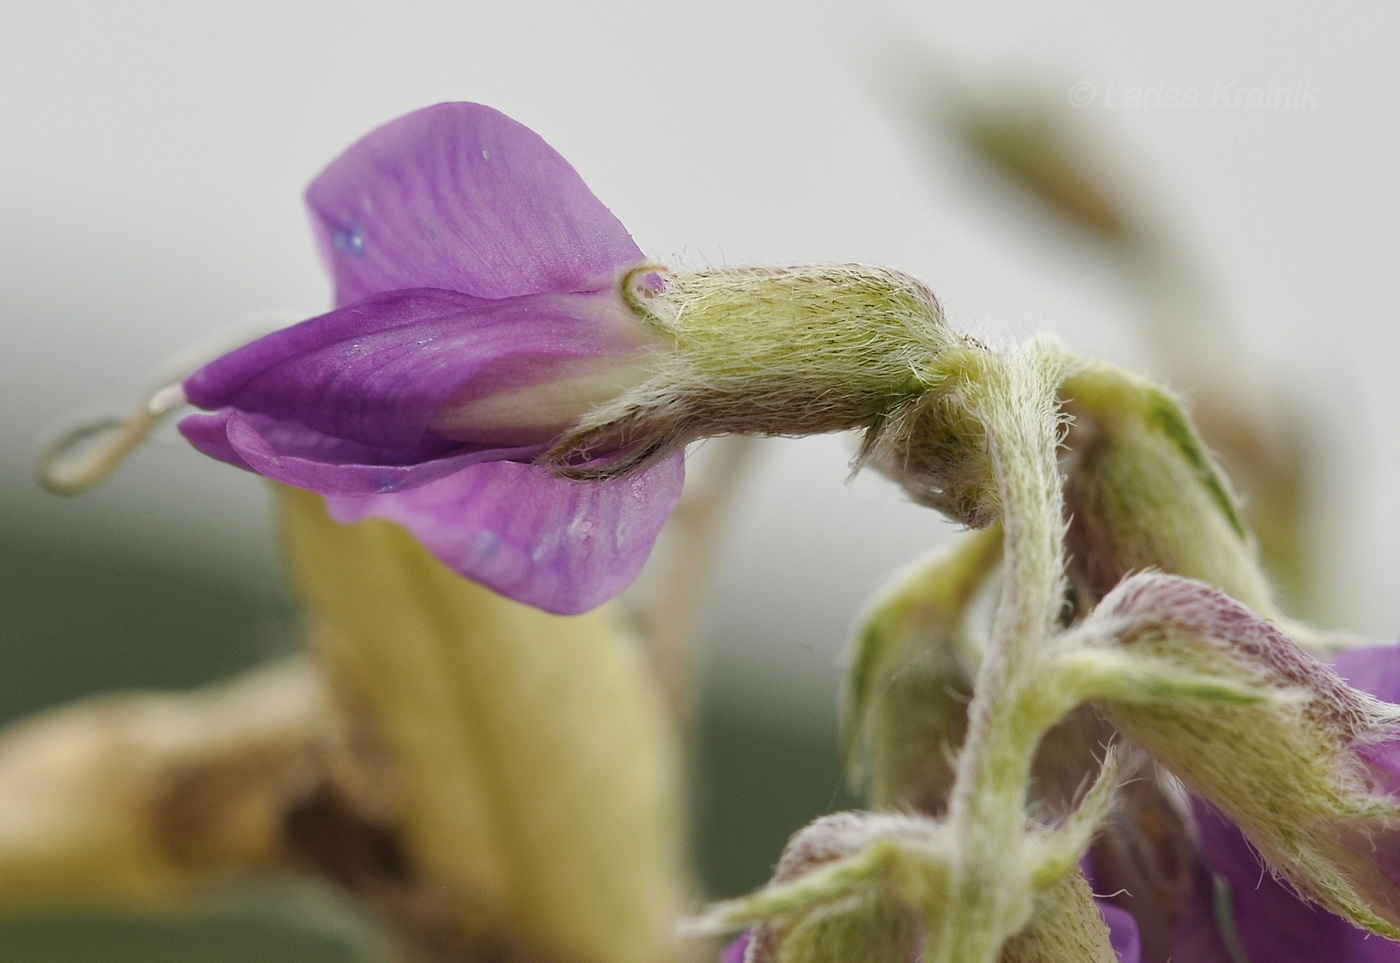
column 869, row 924
column 1307, row 768
column 936, row 450
column 915, row 654
column 912, row 664
column 878, row 887
column 1142, row 492
column 1069, row 927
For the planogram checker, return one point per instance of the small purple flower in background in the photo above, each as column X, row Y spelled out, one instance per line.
column 1267, row 921
column 1271, row 923
column 1305, row 764
column 478, row 316
column 1232, row 908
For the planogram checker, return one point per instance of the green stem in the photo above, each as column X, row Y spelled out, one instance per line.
column 991, row 894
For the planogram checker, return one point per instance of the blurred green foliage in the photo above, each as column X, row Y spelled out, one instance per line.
column 214, row 940
column 78, row 620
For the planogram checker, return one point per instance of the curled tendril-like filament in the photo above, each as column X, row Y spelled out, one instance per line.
column 82, row 456
column 85, row 455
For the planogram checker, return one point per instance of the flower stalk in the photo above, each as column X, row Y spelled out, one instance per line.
column 991, row 898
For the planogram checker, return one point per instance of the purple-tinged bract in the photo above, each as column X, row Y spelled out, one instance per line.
column 478, row 316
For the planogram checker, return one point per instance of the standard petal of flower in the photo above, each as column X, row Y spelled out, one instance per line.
column 562, row 546
column 460, row 196
column 377, row 371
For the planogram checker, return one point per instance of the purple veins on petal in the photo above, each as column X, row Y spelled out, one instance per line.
column 459, row 196
column 377, row 372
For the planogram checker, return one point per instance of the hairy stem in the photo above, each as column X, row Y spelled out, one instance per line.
column 991, row 894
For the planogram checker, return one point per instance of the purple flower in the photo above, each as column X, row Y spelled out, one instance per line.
column 1228, row 905
column 1266, row 919
column 1305, row 764
column 1271, row 922
column 478, row 317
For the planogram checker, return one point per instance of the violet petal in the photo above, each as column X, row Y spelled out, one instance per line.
column 1122, row 932
column 735, row 951
column 296, row 455
column 459, row 196
column 562, row 546
column 1273, row 923
column 209, row 434
column 376, row 372
column 1374, row 669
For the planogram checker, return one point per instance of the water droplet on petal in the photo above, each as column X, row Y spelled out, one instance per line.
column 349, row 241
column 486, row 544
column 485, row 154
